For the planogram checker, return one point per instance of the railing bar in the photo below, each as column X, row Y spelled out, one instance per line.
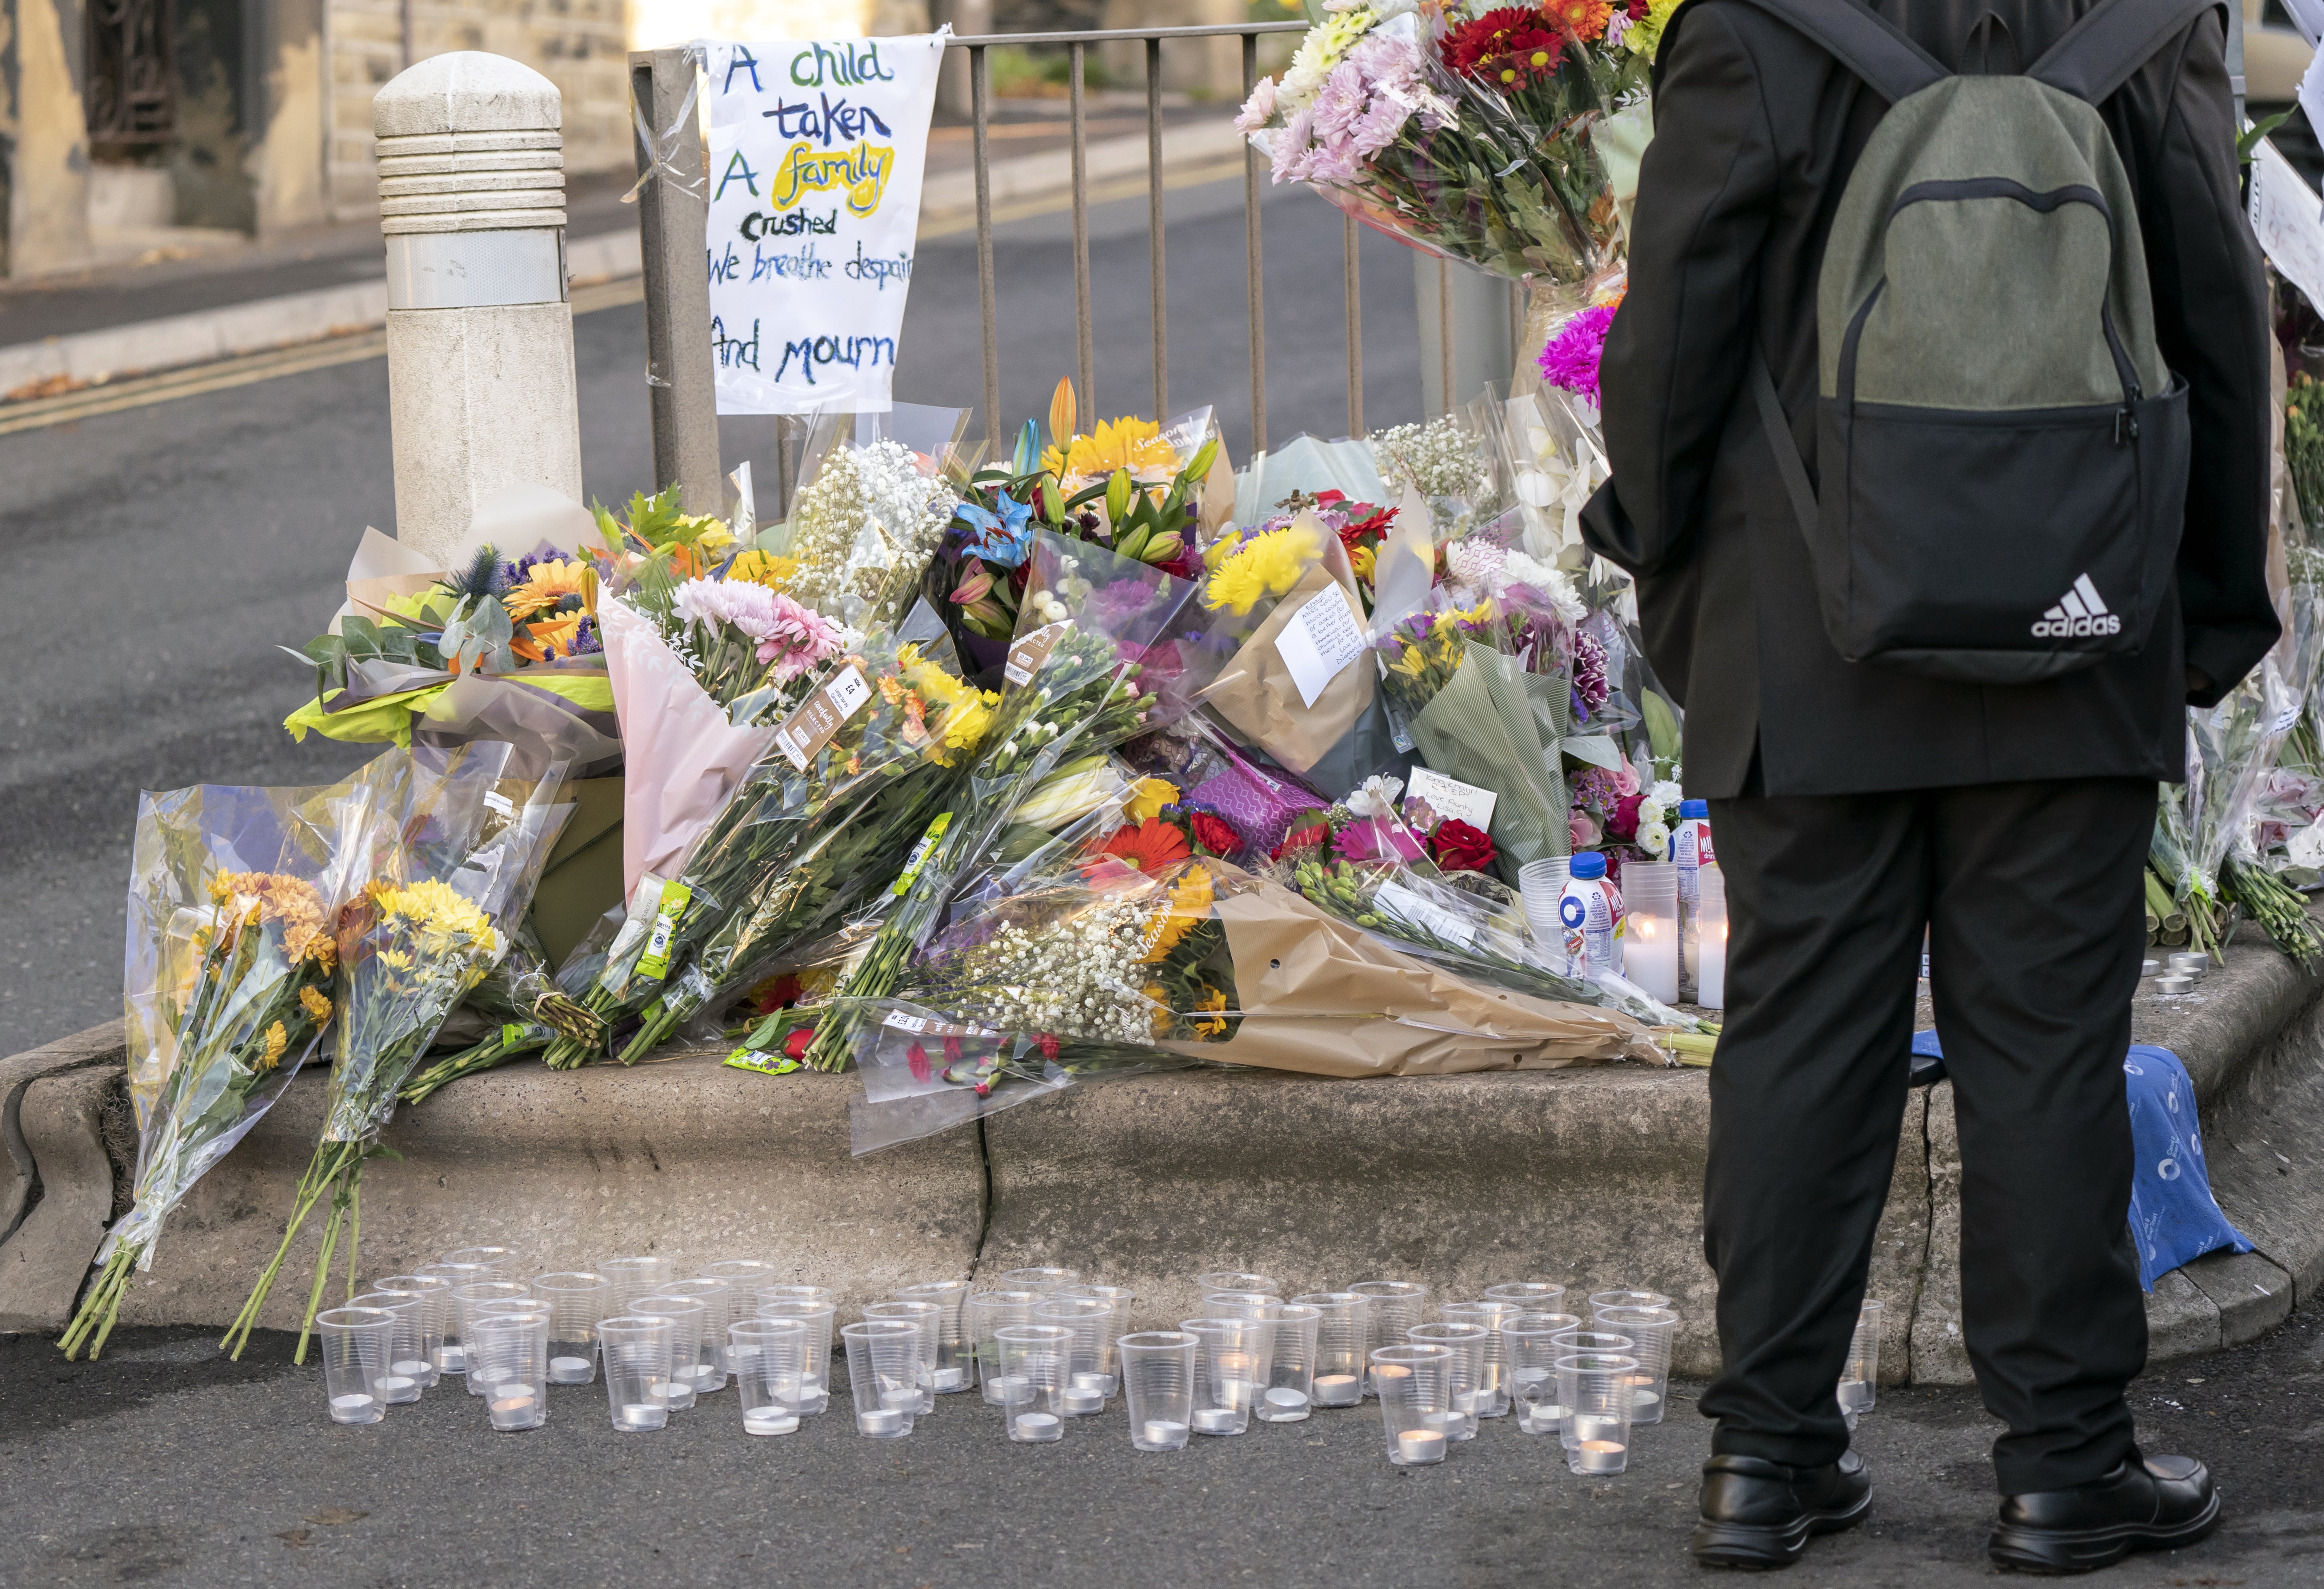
column 1353, row 286
column 1125, row 35
column 980, row 89
column 1445, row 333
column 1084, row 339
column 1252, row 270
column 1154, row 225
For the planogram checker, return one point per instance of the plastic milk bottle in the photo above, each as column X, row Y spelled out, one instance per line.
column 1590, row 917
column 1689, row 850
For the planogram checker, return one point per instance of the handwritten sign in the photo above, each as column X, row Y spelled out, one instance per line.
column 1323, row 636
column 817, row 150
column 2284, row 213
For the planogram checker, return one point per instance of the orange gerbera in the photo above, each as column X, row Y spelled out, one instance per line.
column 1584, row 19
column 1150, row 847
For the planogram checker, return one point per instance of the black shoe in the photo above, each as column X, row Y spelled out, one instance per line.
column 2157, row 1503
column 1757, row 1513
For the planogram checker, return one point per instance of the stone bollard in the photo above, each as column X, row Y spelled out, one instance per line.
column 481, row 389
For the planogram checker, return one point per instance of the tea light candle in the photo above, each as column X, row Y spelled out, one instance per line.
column 569, row 1371
column 1644, row 1397
column 353, row 1402
column 1080, row 1403
column 392, row 1387
column 452, row 1360
column 906, row 1400
column 952, row 1379
column 1600, row 1457
column 885, row 1422
column 1216, row 1420
column 769, row 1420
column 1283, row 1399
column 409, row 1367
column 2174, row 984
column 1037, row 1426
column 1010, row 1389
column 1160, row 1431
column 1101, row 1383
column 1419, row 1446
column 1464, row 1402
column 639, row 1415
column 2189, row 965
column 513, row 1407
column 1338, row 1389
column 1855, row 1396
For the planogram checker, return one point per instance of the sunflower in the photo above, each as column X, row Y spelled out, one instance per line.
column 318, row 1007
column 1190, row 905
column 1130, row 443
column 1150, row 847
column 277, row 1040
column 770, row 569
column 548, row 586
column 1214, row 1000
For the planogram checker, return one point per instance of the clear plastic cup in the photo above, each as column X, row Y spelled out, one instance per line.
column 1045, row 1279
column 509, row 1353
column 1395, row 1306
column 636, row 1276
column 1597, row 1390
column 1036, row 1371
column 1579, row 1340
column 815, row 1369
column 435, row 1294
column 637, row 1359
column 1414, row 1385
column 1239, row 1304
column 1230, row 1365
column 398, row 1384
column 1290, row 1392
column 1530, row 1296
column 1650, row 1330
column 796, row 1293
column 768, row 1358
column 1467, row 1343
column 1342, row 1338
column 503, row 1260
column 576, row 1299
column 1157, row 1384
column 449, row 1358
column 1123, row 1299
column 927, row 1318
column 1089, row 1320
column 746, row 1275
column 356, row 1343
column 1859, row 1381
column 955, row 1368
column 468, row 1301
column 1220, row 1279
column 883, row 1370
column 1630, row 1298
column 686, row 1317
column 1492, row 1383
column 718, row 1299
column 987, row 1311
column 1529, row 1351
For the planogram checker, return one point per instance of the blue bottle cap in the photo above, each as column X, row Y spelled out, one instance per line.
column 1694, row 808
column 1587, row 864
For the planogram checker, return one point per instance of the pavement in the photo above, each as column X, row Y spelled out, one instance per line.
column 166, row 1463
column 161, row 553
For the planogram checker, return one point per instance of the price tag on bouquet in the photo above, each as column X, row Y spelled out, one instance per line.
column 1027, row 655
column 929, row 1026
column 1319, row 642
column 822, row 715
column 668, row 910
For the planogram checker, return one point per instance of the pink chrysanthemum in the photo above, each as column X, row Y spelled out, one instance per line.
column 1571, row 358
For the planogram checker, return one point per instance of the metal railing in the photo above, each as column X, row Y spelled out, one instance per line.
column 673, row 214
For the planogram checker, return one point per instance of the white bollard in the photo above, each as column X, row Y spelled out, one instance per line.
column 481, row 389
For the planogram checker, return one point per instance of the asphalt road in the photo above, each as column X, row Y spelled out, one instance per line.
column 166, row 1463
column 157, row 558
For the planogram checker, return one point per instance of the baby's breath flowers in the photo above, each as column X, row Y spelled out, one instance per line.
column 1441, row 458
column 862, row 530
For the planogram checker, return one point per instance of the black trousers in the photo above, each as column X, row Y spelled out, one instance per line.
column 2032, row 898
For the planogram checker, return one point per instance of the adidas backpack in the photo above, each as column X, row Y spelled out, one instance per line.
column 2003, row 451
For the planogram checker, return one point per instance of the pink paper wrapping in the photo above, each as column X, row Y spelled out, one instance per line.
column 684, row 758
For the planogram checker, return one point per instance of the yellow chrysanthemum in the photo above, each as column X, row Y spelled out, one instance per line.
column 967, row 711
column 1261, row 567
column 277, row 1040
column 1148, row 799
column 771, row 569
column 393, row 960
column 318, row 1007
column 547, row 585
column 1128, row 443
column 437, row 907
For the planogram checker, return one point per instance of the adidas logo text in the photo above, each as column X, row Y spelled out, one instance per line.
column 2079, row 615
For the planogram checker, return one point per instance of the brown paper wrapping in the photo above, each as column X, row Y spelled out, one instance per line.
column 1256, row 696
column 1321, row 996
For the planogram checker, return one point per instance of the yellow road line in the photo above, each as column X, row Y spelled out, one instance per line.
column 224, row 374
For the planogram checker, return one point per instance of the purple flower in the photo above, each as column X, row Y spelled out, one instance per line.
column 1571, row 356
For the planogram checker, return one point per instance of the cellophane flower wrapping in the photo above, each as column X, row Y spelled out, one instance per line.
column 1106, row 648
column 865, row 522
column 235, row 894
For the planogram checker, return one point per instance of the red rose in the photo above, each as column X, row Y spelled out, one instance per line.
column 1047, row 1043
column 1623, row 823
column 795, row 1045
column 1215, row 834
column 917, row 1057
column 1308, row 832
column 1456, row 847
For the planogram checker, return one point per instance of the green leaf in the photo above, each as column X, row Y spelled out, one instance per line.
column 1662, row 727
column 2248, row 144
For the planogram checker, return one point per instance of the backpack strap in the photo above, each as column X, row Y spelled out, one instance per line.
column 1792, row 468
column 2112, row 41
column 1868, row 45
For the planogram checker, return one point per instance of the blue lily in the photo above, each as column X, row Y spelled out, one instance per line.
column 1004, row 539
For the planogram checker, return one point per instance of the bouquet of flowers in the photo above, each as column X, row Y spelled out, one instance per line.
column 1099, row 657
column 451, row 856
column 232, row 904
column 523, row 1007
column 851, row 778
column 867, row 518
